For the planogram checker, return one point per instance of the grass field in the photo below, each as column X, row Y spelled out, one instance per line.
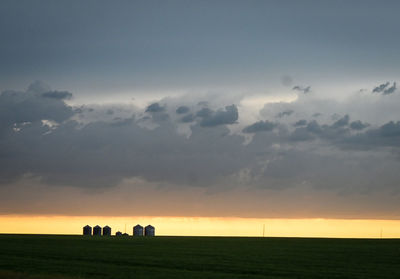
column 45, row 256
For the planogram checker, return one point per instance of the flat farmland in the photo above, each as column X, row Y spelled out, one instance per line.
column 56, row 256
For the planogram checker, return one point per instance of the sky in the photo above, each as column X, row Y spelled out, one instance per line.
column 229, row 110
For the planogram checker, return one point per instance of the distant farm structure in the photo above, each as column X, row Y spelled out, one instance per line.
column 87, row 230
column 106, row 231
column 149, row 230
column 138, row 230
column 97, row 230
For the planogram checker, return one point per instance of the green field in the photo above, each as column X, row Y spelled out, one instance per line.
column 44, row 256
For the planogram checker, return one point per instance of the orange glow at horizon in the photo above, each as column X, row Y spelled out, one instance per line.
column 204, row 226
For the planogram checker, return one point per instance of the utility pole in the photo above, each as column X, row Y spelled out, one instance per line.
column 263, row 230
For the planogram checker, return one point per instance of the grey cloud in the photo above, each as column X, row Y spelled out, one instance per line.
column 314, row 127
column 202, row 103
column 390, row 90
column 155, row 107
column 31, row 106
column 344, row 121
column 386, row 135
column 102, row 153
column 301, row 122
column 302, row 134
column 182, row 110
column 391, row 129
column 159, row 117
column 58, row 95
column 188, row 118
column 260, row 126
column 380, row 87
column 358, row 125
column 204, row 112
column 302, row 89
column 284, row 113
column 221, row 117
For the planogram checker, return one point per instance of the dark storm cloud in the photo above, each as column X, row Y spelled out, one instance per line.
column 386, row 135
column 58, row 95
column 390, row 89
column 220, row 117
column 344, row 121
column 385, row 88
column 146, row 52
column 31, row 106
column 358, row 125
column 188, row 118
column 302, row 89
column 380, row 87
column 284, row 113
column 101, row 154
column 204, row 112
column 155, row 107
column 182, row 110
column 103, row 151
column 391, row 129
column 260, row 126
column 301, row 122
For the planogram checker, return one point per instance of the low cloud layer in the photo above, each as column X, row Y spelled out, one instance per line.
column 316, row 144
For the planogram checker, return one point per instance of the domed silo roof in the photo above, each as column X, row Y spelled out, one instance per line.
column 149, row 230
column 87, row 230
column 107, row 231
column 138, row 230
column 97, row 230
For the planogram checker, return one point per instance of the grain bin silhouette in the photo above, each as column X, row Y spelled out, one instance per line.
column 149, row 230
column 87, row 230
column 97, row 230
column 138, row 230
column 106, row 231
column 118, row 233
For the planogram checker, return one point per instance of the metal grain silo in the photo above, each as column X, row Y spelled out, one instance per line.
column 149, row 230
column 138, row 230
column 106, row 231
column 87, row 230
column 97, row 230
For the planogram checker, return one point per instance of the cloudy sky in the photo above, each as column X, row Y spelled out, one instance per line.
column 263, row 109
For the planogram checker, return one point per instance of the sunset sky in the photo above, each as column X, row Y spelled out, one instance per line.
column 201, row 117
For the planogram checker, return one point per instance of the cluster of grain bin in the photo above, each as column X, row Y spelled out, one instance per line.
column 97, row 230
column 138, row 230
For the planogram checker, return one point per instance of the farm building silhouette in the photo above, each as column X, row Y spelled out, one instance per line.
column 138, row 230
column 149, row 230
column 107, row 231
column 97, row 230
column 87, row 230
